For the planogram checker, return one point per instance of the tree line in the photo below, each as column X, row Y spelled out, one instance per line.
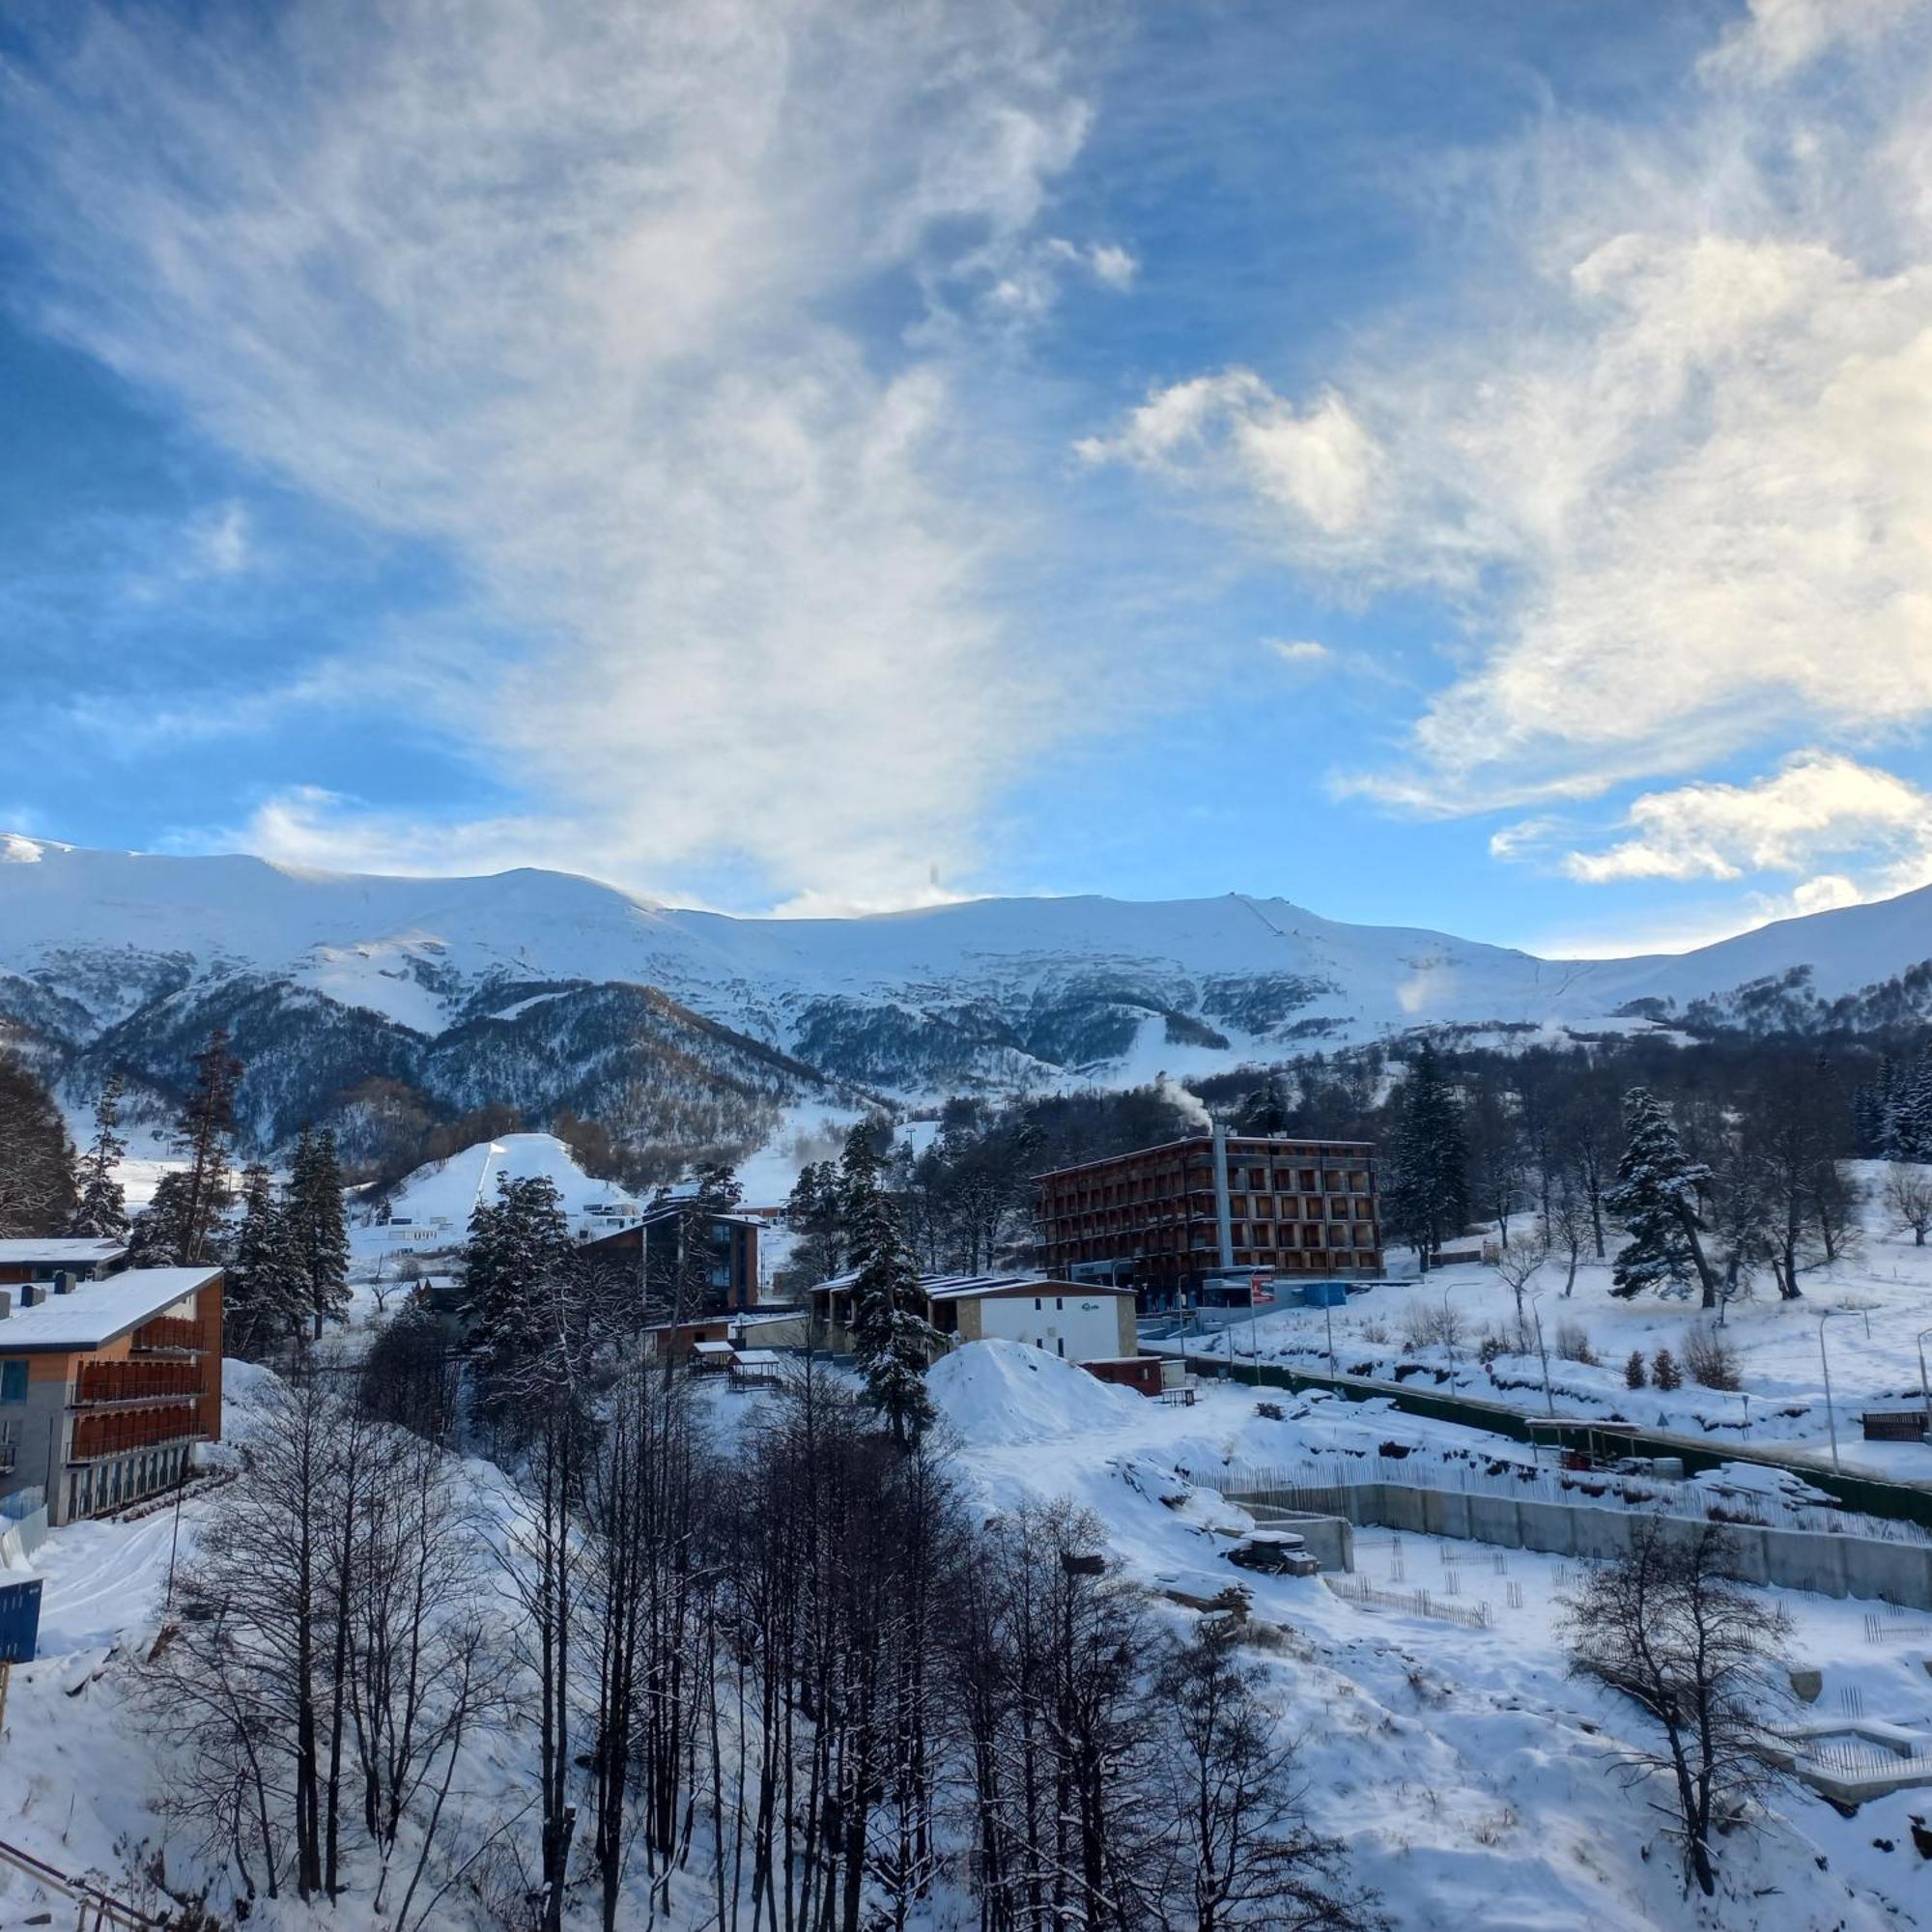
column 792, row 1681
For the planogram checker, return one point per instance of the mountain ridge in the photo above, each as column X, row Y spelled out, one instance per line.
column 569, row 992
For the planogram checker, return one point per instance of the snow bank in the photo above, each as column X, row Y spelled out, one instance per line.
column 996, row 1393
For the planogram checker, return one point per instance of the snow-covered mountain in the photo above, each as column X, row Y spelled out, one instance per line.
column 544, row 990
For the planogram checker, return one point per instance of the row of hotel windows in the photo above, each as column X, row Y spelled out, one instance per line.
column 1254, row 1180
column 104, row 1485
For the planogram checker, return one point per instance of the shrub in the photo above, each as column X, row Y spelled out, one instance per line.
column 1712, row 1360
column 1573, row 1344
column 1633, row 1375
column 1374, row 1331
column 1492, row 1346
column 1663, row 1370
column 1268, row 1412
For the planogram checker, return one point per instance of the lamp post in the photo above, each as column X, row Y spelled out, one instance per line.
column 1542, row 1354
column 1924, row 1388
column 1825, row 1362
column 1448, row 1324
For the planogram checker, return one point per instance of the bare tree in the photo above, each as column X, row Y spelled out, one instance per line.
column 1516, row 1266
column 1240, row 1852
column 1664, row 1625
column 1908, row 1198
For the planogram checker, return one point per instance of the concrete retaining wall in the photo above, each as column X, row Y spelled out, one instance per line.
column 1832, row 1565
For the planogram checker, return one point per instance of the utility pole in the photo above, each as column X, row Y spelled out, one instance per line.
column 1825, row 1362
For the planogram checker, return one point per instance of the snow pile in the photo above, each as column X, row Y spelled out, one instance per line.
column 995, row 1393
column 448, row 1191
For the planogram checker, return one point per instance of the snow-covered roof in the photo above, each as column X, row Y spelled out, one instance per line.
column 61, row 1251
column 755, row 1358
column 98, row 1310
column 712, row 1350
column 977, row 1287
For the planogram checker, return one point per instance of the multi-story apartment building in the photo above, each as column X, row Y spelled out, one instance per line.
column 106, row 1386
column 1164, row 1219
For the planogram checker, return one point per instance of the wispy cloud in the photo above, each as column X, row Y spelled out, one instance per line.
column 1671, row 473
column 553, row 285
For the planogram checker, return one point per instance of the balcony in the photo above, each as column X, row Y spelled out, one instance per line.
column 117, row 1433
column 104, row 1384
column 172, row 1334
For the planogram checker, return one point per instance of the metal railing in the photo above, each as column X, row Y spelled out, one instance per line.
column 1407, row 1603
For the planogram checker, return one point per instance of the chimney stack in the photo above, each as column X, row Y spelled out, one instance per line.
column 65, row 1280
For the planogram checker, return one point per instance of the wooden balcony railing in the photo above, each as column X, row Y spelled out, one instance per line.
column 116, row 1431
column 133, row 1381
column 170, row 1332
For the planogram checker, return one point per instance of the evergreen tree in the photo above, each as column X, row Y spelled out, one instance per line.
column 202, row 1136
column 518, row 1270
column 318, row 1234
column 891, row 1340
column 266, row 1297
column 104, row 1206
column 36, row 1171
column 1655, row 1196
column 813, row 1217
column 1425, row 1186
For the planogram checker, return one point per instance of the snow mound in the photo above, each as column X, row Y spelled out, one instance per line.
column 996, row 1393
column 447, row 1191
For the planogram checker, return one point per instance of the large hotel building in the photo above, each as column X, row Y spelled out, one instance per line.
column 1166, row 1219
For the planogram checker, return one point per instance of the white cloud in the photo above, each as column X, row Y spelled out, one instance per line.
column 223, row 545
column 1776, row 37
column 1316, row 468
column 1671, row 472
column 1845, row 832
column 551, row 287
column 1304, row 653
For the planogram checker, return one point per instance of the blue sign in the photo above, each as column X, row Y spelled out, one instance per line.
column 19, row 1621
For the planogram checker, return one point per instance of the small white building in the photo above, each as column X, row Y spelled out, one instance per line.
column 1076, row 1320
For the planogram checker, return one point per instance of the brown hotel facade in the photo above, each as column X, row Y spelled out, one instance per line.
column 1157, row 1218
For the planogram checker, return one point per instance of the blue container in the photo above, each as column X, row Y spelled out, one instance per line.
column 19, row 1621
column 1324, row 1295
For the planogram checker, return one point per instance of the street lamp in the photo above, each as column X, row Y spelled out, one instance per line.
column 1925, row 1389
column 1831, row 1415
column 1542, row 1354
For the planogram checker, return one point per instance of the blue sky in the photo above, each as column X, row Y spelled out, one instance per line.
column 1460, row 466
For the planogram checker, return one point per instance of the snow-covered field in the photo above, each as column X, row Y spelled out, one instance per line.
column 1873, row 1304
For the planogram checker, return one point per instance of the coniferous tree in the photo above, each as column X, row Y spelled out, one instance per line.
column 518, row 1269
column 891, row 1340
column 318, row 1234
column 1656, row 1197
column 37, row 1177
column 202, row 1136
column 1425, row 1188
column 104, row 1206
column 265, row 1298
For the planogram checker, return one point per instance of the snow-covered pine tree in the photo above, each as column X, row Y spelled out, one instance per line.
column 891, row 1341
column 318, row 1234
column 518, row 1268
column 104, row 1206
column 264, row 1300
column 37, row 1167
column 202, row 1136
column 1425, row 1188
column 1655, row 1196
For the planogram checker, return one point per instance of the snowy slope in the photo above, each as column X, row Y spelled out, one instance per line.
column 994, row 992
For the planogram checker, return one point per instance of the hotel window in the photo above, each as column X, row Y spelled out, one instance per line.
column 13, row 1382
